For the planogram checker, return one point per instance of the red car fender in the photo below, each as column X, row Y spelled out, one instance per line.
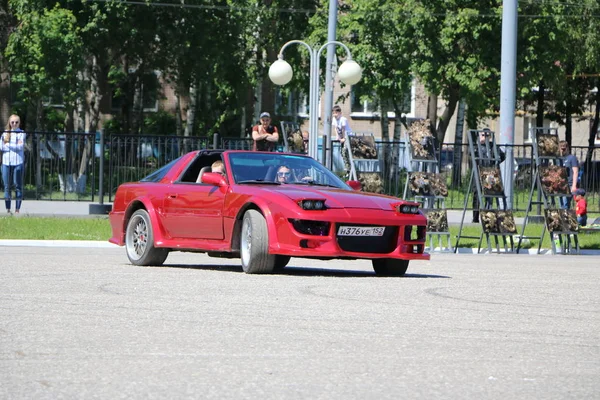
column 157, row 229
column 263, row 206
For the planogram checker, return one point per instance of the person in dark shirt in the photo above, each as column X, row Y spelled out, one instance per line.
column 572, row 164
column 265, row 135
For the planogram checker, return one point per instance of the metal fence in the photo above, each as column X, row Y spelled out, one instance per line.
column 67, row 166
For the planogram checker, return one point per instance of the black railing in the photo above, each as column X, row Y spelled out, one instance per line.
column 65, row 166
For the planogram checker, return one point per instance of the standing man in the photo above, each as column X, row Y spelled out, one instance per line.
column 572, row 164
column 341, row 127
column 265, row 135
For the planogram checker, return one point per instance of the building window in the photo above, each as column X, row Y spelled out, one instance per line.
column 362, row 101
column 366, row 104
column 529, row 128
column 291, row 103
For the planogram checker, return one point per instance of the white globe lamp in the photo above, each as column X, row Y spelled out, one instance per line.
column 280, row 72
column 349, row 72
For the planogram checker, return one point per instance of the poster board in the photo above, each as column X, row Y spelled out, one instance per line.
column 498, row 222
column 427, row 184
column 421, row 141
column 437, row 220
column 491, row 181
column 553, row 179
column 561, row 221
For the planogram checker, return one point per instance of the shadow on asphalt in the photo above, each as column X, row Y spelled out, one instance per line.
column 301, row 271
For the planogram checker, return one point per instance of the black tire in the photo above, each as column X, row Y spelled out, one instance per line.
column 139, row 241
column 281, row 262
column 254, row 244
column 390, row 266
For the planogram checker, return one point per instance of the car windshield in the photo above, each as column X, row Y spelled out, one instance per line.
column 277, row 168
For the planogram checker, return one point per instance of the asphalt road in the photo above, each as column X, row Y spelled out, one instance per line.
column 79, row 323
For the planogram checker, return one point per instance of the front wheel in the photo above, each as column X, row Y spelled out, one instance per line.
column 281, row 262
column 139, row 241
column 389, row 266
column 254, row 245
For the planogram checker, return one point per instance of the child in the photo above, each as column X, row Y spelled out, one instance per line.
column 581, row 207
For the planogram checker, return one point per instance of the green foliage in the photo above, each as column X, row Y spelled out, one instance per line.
column 159, row 123
column 45, row 53
column 54, row 119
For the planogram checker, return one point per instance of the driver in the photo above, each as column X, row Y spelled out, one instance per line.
column 284, row 174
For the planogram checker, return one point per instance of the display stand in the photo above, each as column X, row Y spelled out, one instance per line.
column 550, row 183
column 362, row 150
column 292, row 137
column 486, row 180
column 426, row 185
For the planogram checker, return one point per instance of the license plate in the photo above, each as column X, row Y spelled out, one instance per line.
column 361, row 231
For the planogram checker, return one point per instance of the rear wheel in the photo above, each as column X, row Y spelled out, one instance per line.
column 139, row 241
column 254, row 244
column 390, row 266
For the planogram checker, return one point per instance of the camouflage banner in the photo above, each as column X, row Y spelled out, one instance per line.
column 421, row 140
column 292, row 137
column 559, row 220
column 437, row 220
column 498, row 221
column 547, row 145
column 554, row 180
column 371, row 182
column 427, row 184
column 491, row 181
column 363, row 147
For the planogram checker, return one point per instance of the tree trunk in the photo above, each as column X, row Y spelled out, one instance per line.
column 539, row 116
column 593, row 130
column 458, row 139
column 192, row 109
column 568, row 122
column 178, row 121
column 95, row 95
column 444, row 121
column 432, row 103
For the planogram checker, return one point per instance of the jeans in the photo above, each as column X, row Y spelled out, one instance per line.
column 582, row 220
column 12, row 175
column 565, row 202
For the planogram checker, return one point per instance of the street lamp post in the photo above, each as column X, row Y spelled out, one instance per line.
column 281, row 73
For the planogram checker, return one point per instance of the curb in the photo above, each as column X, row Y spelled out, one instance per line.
column 56, row 243
column 533, row 252
column 108, row 245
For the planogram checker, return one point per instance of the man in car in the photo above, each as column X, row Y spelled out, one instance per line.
column 284, row 174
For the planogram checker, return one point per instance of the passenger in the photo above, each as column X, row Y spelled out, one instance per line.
column 218, row 167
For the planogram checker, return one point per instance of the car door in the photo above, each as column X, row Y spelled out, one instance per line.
column 193, row 211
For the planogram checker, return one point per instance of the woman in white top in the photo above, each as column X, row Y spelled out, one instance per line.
column 341, row 127
column 13, row 157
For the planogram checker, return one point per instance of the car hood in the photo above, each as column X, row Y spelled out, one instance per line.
column 336, row 198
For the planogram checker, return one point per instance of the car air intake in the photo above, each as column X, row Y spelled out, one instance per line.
column 385, row 243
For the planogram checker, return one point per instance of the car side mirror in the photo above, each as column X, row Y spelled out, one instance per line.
column 355, row 185
column 214, row 178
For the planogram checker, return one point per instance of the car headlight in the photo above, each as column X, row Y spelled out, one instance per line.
column 409, row 208
column 309, row 204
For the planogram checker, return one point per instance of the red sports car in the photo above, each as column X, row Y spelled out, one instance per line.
column 264, row 208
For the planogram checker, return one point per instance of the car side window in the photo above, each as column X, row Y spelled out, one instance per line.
column 191, row 174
